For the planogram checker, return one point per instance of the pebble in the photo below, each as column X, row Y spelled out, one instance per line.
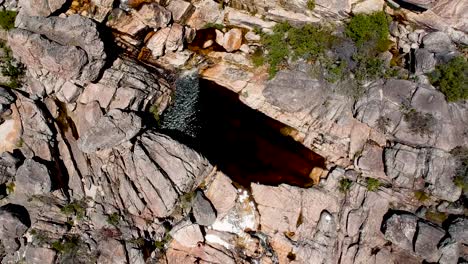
column 406, row 48
column 413, row 37
column 208, row 44
column 414, row 45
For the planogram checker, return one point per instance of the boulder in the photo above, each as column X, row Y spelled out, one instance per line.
column 157, row 42
column 188, row 235
column 40, row 53
column 438, row 42
column 206, row 11
column 202, row 210
column 427, row 241
column 232, row 40
column 222, row 194
column 175, row 38
column 40, row 7
column 425, row 61
column 126, row 23
column 400, row 230
column 153, row 15
column 66, row 48
column 33, row 178
column 458, row 230
column 111, row 130
column 128, row 85
column 368, row 6
column 15, row 222
column 180, row 10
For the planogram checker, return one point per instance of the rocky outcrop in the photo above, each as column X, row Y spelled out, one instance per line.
column 41, row 7
column 57, row 49
column 15, row 221
column 414, row 235
column 111, row 130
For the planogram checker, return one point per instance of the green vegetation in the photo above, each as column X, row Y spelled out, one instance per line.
column 311, row 5
column 418, row 122
column 435, row 216
column 461, row 176
column 213, row 25
column 154, row 110
column 369, row 32
column 113, row 219
column 10, row 187
column 373, row 184
column 161, row 244
column 258, row 58
column 7, row 19
column 452, row 79
column 421, row 196
column 10, row 67
column 345, row 185
column 368, row 67
column 69, row 245
column 308, row 42
column 311, row 42
column 76, row 208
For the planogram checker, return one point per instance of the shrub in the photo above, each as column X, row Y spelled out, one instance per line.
column 7, row 19
column 373, row 184
column 113, row 219
column 369, row 31
column 345, row 185
column 258, row 58
column 452, row 79
column 368, row 68
column 277, row 49
column 10, row 67
column 309, row 42
column 418, row 122
column 311, row 5
column 77, row 208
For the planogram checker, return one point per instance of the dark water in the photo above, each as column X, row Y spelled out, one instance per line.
column 245, row 144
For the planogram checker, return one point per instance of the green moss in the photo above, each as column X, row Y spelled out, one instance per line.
column 345, row 185
column 435, row 216
column 452, row 79
column 311, row 5
column 76, row 208
column 369, row 31
column 113, row 219
column 373, row 184
column 421, row 196
column 213, row 25
column 7, row 19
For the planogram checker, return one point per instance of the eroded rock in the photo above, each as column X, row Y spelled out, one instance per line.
column 111, row 130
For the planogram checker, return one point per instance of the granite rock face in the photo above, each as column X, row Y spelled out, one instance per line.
column 91, row 170
column 59, row 48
